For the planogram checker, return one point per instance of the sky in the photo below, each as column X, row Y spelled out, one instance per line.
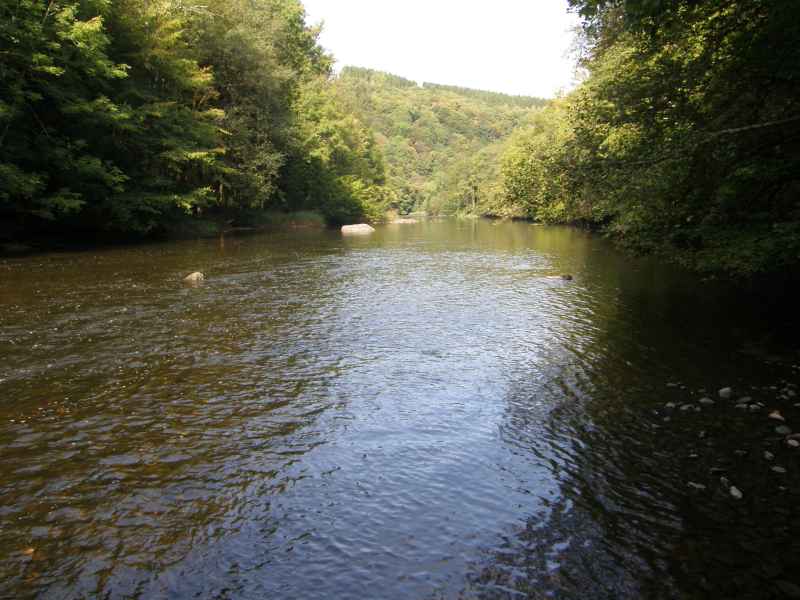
column 512, row 46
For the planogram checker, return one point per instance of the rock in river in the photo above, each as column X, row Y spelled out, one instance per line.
column 195, row 277
column 360, row 229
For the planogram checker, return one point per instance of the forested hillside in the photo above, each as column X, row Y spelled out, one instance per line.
column 128, row 116
column 137, row 116
column 441, row 143
column 684, row 140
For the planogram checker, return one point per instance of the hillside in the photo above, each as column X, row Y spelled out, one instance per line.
column 441, row 144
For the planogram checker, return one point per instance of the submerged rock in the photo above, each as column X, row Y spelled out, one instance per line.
column 360, row 229
column 780, row 470
column 725, row 393
column 768, row 455
column 567, row 277
column 706, row 401
column 783, row 430
column 696, row 486
column 793, row 443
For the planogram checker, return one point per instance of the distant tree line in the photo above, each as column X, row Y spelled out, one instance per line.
column 441, row 143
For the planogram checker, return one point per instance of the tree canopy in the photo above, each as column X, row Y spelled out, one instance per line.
column 684, row 139
column 121, row 116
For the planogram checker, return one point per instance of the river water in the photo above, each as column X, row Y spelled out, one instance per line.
column 427, row 412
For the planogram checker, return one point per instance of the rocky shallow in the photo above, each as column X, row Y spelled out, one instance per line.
column 740, row 465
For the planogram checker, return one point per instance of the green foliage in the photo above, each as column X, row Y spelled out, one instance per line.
column 441, row 143
column 685, row 137
column 128, row 115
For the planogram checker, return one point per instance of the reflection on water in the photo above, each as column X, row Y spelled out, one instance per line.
column 423, row 413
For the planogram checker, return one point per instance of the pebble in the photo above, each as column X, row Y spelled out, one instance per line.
column 779, row 470
column 670, row 405
column 793, row 443
column 725, row 393
column 696, row 486
column 686, row 407
column 754, row 408
column 736, row 493
column 742, row 406
column 776, row 414
column 768, row 455
column 783, row 430
column 706, row 401
column 745, row 400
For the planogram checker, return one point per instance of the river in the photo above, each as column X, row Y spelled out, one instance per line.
column 427, row 412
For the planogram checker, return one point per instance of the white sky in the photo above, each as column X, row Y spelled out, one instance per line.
column 512, row 46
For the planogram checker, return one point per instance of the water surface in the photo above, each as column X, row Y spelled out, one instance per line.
column 427, row 412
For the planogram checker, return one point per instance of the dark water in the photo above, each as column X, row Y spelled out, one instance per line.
column 423, row 413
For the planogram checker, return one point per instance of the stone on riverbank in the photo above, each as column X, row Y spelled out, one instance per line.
column 360, row 229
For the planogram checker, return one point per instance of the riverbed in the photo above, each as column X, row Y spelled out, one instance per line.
column 429, row 411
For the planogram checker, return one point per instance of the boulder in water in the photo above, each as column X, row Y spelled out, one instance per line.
column 195, row 277
column 360, row 229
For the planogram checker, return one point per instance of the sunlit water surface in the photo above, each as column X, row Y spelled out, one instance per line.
column 427, row 412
